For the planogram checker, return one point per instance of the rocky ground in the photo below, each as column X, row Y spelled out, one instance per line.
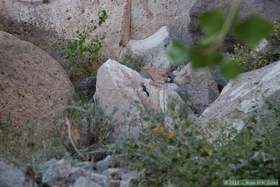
column 136, row 80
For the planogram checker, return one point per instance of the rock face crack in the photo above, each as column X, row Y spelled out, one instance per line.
column 35, row 2
column 126, row 24
column 144, row 88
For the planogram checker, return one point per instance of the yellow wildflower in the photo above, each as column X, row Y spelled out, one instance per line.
column 158, row 129
column 152, row 146
column 170, row 134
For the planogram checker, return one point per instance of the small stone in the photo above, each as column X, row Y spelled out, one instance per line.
column 113, row 173
column 103, row 164
column 100, row 179
column 84, row 165
column 54, row 171
column 76, row 173
column 128, row 177
column 11, row 176
column 114, row 183
column 85, row 182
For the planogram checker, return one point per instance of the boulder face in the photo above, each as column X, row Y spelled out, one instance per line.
column 33, row 85
column 65, row 17
column 241, row 100
column 127, row 97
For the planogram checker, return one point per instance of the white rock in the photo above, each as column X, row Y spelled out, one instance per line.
column 103, row 164
column 53, row 171
column 240, row 100
column 85, row 182
column 127, row 97
column 152, row 50
column 128, row 177
column 100, row 179
column 262, row 46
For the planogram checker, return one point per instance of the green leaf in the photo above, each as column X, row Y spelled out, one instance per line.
column 231, row 70
column 253, row 29
column 201, row 57
column 198, row 57
column 103, row 16
column 177, row 52
column 215, row 58
column 212, row 22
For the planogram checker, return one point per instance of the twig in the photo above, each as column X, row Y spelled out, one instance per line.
column 71, row 139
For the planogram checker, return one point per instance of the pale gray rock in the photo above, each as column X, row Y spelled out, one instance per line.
column 62, row 173
column 103, row 164
column 241, row 100
column 131, row 97
column 262, row 46
column 12, row 177
column 85, row 182
column 54, row 171
column 151, row 50
column 113, row 173
column 128, row 177
column 100, row 179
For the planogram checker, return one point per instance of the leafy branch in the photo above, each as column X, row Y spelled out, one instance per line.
column 216, row 26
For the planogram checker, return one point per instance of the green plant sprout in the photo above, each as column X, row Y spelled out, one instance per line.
column 81, row 52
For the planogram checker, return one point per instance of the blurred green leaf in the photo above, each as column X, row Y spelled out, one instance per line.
column 198, row 56
column 231, row 70
column 177, row 52
column 201, row 57
column 215, row 58
column 253, row 29
column 212, row 22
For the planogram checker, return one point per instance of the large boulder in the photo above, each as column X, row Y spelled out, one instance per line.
column 129, row 19
column 33, row 85
column 196, row 86
column 128, row 97
column 242, row 100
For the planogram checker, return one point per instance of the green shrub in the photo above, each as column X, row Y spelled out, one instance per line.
column 216, row 26
column 250, row 59
column 22, row 146
column 133, row 62
column 181, row 157
column 82, row 53
column 93, row 125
